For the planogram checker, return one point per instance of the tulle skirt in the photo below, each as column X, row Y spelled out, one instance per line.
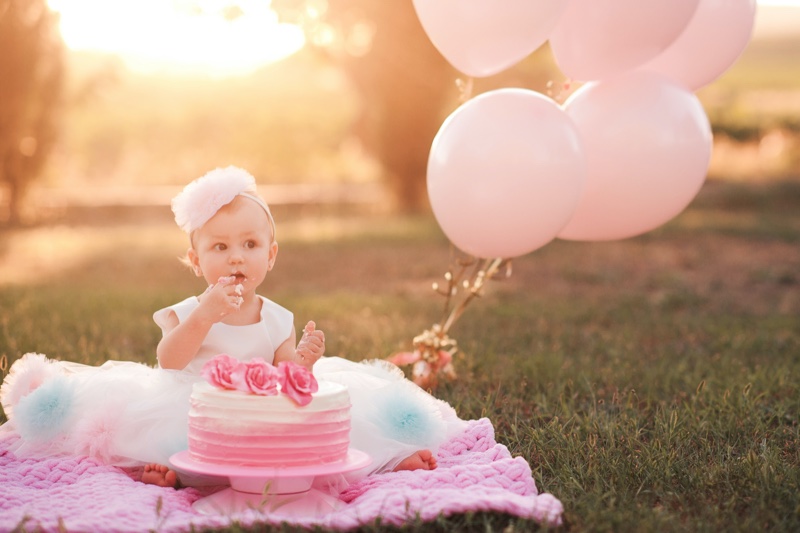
column 129, row 414
column 391, row 416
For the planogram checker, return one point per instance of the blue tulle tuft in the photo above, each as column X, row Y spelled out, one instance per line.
column 405, row 419
column 42, row 414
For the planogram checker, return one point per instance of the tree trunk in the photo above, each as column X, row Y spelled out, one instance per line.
column 31, row 81
column 405, row 85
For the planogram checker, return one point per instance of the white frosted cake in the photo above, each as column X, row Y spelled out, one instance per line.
column 230, row 427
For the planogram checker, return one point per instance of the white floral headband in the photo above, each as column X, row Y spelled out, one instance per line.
column 202, row 198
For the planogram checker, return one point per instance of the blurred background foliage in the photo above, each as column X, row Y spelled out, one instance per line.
column 359, row 104
column 32, row 69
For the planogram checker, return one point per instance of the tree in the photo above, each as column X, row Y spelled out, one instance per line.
column 31, row 84
column 406, row 86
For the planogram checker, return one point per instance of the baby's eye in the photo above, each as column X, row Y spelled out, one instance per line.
column 220, row 247
column 250, row 244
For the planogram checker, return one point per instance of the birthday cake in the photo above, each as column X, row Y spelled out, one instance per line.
column 238, row 421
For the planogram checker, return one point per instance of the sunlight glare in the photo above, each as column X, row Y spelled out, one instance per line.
column 180, row 36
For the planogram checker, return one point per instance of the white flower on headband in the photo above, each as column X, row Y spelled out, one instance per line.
column 202, row 198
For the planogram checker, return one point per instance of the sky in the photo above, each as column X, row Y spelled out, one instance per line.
column 190, row 36
column 179, row 35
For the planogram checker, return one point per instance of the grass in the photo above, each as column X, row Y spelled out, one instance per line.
column 651, row 383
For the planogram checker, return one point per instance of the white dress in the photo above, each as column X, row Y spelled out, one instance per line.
column 129, row 414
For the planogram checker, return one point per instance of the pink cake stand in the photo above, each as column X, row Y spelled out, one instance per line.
column 278, row 492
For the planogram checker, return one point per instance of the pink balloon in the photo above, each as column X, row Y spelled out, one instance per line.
column 597, row 39
column 505, row 173
column 712, row 42
column 481, row 38
column 648, row 145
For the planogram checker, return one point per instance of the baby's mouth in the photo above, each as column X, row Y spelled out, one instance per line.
column 240, row 278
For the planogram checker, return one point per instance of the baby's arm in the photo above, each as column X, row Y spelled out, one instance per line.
column 182, row 340
column 310, row 348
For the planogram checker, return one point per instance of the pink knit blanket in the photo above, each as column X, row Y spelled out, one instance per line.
column 475, row 473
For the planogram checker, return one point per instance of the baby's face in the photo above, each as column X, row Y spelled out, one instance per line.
column 236, row 241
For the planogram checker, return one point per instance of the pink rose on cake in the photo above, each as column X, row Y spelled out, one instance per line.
column 219, row 370
column 257, row 377
column 297, row 382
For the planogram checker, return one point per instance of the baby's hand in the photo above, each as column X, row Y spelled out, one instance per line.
column 311, row 346
column 221, row 299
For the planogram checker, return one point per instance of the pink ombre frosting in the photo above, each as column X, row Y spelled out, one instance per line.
column 230, row 427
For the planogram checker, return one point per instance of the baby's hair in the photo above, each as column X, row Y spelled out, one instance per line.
column 185, row 261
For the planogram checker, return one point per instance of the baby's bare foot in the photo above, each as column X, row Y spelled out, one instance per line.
column 155, row 474
column 421, row 460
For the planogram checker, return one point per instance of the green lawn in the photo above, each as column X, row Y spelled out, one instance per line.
column 651, row 383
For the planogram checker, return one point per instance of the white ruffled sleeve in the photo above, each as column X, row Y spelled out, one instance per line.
column 181, row 309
